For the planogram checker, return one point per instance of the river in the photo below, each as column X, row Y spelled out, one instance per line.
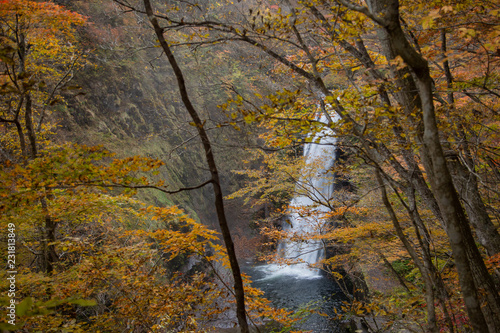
column 294, row 289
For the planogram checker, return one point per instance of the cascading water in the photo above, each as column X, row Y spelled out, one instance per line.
column 296, row 285
column 306, row 213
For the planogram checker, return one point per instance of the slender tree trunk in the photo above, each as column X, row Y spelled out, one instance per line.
column 219, row 203
column 28, row 117
column 49, row 236
column 423, row 237
column 49, row 254
column 468, row 189
column 398, row 276
column 22, row 140
column 429, row 286
column 465, row 179
column 467, row 258
column 407, row 98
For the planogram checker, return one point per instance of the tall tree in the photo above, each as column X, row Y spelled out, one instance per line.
column 39, row 54
column 389, row 107
column 209, row 154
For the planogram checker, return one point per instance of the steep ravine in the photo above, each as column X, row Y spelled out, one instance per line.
column 128, row 102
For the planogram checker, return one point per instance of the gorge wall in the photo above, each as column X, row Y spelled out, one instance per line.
column 128, row 102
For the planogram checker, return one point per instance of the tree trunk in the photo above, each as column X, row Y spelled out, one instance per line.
column 49, row 238
column 467, row 258
column 219, row 202
column 464, row 178
column 28, row 116
column 468, row 189
column 429, row 286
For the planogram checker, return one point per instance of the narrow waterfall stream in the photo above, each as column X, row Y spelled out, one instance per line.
column 293, row 286
column 306, row 216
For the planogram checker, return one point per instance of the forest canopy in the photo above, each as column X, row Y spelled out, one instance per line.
column 124, row 123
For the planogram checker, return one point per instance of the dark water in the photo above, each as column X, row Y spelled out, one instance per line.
column 295, row 288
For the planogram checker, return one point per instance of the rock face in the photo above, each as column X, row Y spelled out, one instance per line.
column 131, row 114
column 129, row 103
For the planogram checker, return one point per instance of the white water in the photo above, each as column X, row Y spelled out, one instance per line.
column 306, row 215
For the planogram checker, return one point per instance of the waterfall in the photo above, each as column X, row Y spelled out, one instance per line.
column 298, row 285
column 306, row 213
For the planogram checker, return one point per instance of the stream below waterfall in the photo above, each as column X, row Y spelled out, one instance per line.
column 290, row 288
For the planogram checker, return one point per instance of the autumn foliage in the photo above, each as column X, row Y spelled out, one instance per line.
column 410, row 91
column 89, row 256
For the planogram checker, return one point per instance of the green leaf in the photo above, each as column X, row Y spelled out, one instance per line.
column 83, row 302
column 24, row 306
column 53, row 303
column 9, row 327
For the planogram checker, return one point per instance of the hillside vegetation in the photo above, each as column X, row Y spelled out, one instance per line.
column 124, row 122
